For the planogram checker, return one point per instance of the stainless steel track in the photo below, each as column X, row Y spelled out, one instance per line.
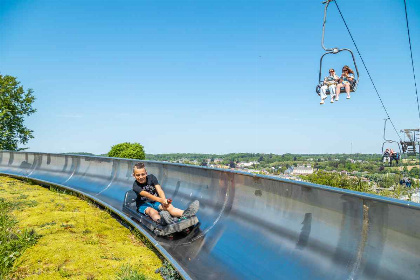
column 253, row 227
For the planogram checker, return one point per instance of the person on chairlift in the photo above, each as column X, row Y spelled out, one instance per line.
column 330, row 83
column 153, row 200
column 393, row 156
column 346, row 79
column 386, row 156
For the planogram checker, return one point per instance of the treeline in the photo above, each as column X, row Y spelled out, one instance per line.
column 339, row 181
column 179, row 156
column 389, row 185
column 260, row 157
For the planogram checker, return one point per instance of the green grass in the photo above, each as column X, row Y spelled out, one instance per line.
column 168, row 272
column 13, row 241
column 128, row 273
column 75, row 239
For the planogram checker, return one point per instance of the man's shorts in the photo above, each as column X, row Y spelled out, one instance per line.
column 153, row 204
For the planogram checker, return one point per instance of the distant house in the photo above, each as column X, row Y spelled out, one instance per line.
column 302, row 170
column 247, row 164
column 289, row 170
column 299, row 170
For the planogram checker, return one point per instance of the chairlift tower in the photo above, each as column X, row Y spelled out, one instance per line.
column 409, row 146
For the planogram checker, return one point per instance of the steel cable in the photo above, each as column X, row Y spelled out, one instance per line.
column 361, row 58
column 411, row 53
column 412, row 65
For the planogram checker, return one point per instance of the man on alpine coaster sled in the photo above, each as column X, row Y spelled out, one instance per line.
column 153, row 202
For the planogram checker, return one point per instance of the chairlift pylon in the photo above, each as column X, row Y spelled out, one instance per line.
column 409, row 147
column 353, row 86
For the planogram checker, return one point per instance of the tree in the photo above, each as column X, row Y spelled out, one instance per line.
column 15, row 104
column 127, row 150
column 414, row 172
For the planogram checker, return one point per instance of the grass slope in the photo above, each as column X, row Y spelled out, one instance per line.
column 76, row 240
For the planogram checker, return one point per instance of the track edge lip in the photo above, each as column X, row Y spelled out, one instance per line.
column 124, row 217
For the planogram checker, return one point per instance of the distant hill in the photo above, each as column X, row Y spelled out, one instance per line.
column 80, row 153
column 260, row 157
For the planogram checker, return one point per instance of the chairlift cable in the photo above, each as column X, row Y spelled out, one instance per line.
column 411, row 53
column 412, row 65
column 361, row 58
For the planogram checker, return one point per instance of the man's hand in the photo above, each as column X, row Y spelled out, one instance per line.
column 164, row 203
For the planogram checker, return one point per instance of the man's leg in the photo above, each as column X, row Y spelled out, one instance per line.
column 190, row 211
column 172, row 210
column 152, row 213
column 332, row 92
column 323, row 94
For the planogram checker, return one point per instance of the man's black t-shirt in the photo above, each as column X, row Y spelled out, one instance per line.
column 149, row 186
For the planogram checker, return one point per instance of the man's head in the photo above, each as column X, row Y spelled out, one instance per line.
column 140, row 173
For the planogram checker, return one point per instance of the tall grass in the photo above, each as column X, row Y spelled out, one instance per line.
column 128, row 273
column 13, row 241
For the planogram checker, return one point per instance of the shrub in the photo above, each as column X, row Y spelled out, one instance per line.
column 13, row 242
column 127, row 150
column 129, row 273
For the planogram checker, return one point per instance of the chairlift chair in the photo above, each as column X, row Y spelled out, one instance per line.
column 388, row 141
column 354, row 83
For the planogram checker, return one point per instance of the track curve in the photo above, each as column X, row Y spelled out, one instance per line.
column 252, row 227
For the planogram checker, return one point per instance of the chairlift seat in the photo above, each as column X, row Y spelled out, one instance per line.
column 353, row 88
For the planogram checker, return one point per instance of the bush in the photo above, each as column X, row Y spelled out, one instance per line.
column 127, row 150
column 337, row 180
column 414, row 172
column 129, row 273
column 13, row 241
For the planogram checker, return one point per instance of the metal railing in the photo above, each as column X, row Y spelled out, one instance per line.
column 252, row 226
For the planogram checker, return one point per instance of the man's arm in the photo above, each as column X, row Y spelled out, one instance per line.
column 152, row 197
column 161, row 194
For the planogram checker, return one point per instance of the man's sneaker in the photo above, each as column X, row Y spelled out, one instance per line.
column 192, row 209
column 322, row 102
column 165, row 218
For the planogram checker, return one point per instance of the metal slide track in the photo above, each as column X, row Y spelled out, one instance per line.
column 252, row 227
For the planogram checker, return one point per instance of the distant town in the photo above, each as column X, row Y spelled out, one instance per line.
column 360, row 172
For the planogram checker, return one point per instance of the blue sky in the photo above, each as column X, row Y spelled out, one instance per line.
column 207, row 76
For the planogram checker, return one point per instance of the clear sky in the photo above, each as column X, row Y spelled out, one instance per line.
column 208, row 76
